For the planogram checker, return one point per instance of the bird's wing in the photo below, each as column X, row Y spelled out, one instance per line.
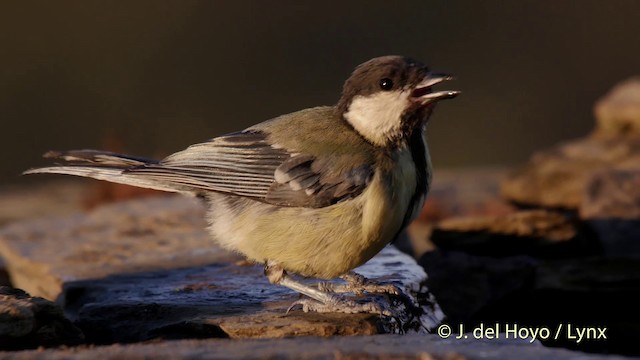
column 247, row 164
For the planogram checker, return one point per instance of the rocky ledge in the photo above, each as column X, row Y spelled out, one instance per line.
column 147, row 269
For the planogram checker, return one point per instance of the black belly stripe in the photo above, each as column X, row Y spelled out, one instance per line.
column 417, row 147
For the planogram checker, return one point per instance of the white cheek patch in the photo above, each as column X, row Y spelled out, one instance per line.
column 378, row 117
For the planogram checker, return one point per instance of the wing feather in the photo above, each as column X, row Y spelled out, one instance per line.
column 247, row 164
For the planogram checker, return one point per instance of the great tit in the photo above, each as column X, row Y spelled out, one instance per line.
column 317, row 192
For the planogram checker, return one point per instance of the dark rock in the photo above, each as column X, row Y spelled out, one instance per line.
column 28, row 322
column 589, row 293
column 17, row 318
column 465, row 284
column 538, row 233
column 382, row 347
column 617, row 237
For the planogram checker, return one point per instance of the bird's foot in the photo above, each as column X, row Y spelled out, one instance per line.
column 358, row 285
column 337, row 304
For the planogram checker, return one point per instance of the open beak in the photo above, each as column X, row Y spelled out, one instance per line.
column 424, row 95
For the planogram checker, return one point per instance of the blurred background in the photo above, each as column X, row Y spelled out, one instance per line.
column 151, row 77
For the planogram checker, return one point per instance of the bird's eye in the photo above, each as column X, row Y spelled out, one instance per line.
column 386, row 84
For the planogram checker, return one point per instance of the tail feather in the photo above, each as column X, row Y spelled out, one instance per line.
column 108, row 166
column 98, row 158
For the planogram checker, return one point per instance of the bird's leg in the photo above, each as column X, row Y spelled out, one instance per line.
column 323, row 301
column 278, row 276
column 358, row 285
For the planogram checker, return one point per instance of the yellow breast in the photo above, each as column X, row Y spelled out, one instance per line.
column 387, row 200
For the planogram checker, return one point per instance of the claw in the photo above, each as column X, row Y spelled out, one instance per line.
column 301, row 303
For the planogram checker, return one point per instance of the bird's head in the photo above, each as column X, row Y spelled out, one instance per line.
column 386, row 98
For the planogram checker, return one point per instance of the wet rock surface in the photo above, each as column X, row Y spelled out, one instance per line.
column 29, row 322
column 225, row 300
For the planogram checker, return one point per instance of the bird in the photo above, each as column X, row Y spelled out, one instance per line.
column 314, row 193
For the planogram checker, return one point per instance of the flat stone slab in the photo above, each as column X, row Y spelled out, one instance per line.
column 353, row 347
column 152, row 234
column 148, row 269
